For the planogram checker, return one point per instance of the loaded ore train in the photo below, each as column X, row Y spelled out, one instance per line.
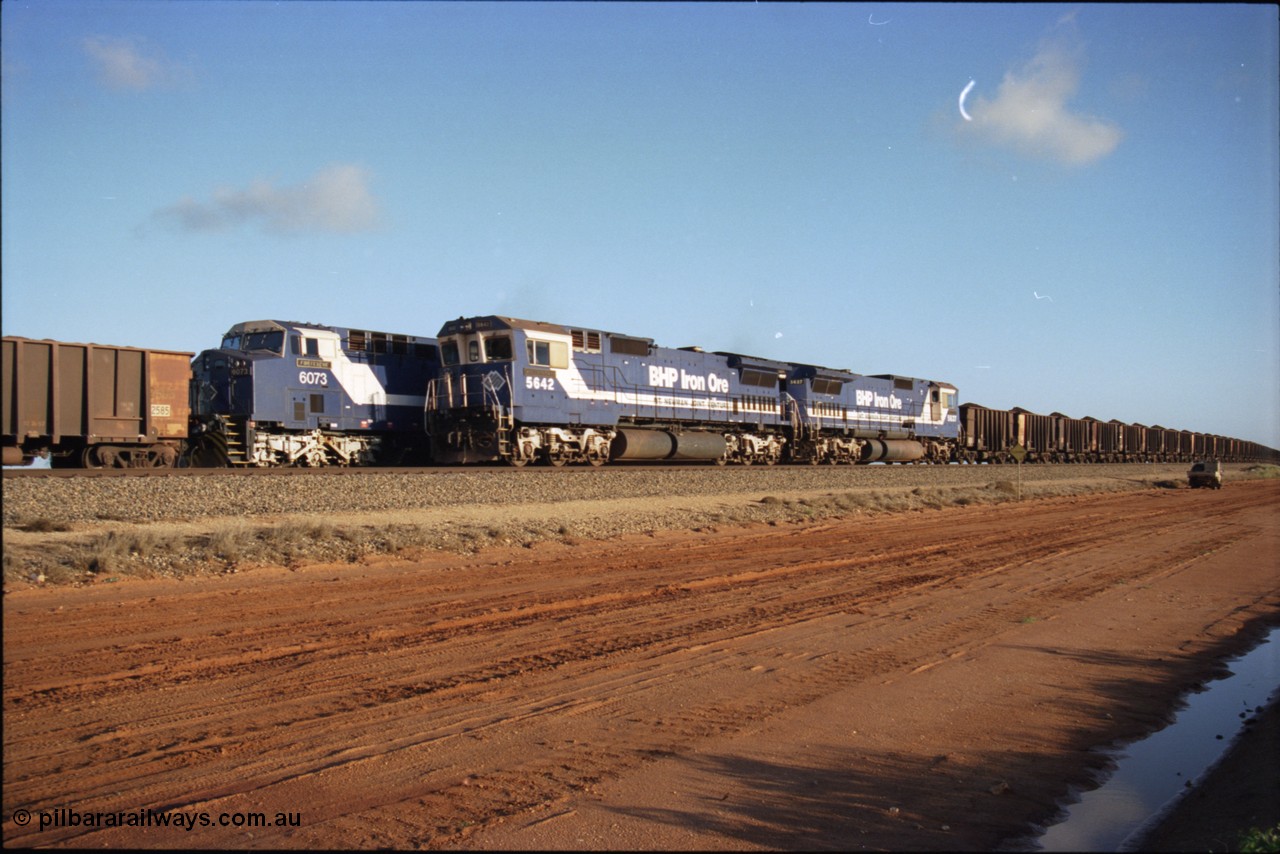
column 494, row 389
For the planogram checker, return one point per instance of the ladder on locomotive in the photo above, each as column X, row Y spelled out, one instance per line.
column 234, row 449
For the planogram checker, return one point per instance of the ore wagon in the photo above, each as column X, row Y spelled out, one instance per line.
column 93, row 405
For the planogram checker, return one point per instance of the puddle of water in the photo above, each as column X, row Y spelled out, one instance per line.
column 1152, row 773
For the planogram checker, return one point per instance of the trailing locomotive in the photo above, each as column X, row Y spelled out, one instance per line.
column 523, row 391
column 286, row 393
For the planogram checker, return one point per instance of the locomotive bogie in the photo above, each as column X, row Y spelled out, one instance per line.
column 743, row 449
column 829, row 450
column 311, row 448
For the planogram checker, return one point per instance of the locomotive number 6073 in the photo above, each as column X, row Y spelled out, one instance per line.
column 313, row 378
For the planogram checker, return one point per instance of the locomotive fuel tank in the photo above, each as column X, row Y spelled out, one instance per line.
column 635, row 444
column 642, row 445
column 892, row 451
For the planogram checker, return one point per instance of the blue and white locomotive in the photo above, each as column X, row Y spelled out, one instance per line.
column 285, row 393
column 522, row 391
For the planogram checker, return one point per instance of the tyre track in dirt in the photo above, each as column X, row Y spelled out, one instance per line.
column 418, row 704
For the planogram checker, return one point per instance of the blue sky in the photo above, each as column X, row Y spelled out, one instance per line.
column 1100, row 236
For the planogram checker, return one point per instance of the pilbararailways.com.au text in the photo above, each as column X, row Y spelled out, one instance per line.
column 64, row 817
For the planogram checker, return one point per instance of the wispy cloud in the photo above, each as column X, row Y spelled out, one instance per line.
column 334, row 200
column 1031, row 112
column 127, row 64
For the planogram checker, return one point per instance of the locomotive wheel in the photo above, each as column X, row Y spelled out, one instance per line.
column 209, row 451
column 597, row 452
column 161, row 456
column 517, row 462
column 102, row 457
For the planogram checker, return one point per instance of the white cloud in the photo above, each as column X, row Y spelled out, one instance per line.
column 1030, row 112
column 334, row 200
column 122, row 63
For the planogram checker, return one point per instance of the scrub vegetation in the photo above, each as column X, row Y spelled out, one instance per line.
column 53, row 551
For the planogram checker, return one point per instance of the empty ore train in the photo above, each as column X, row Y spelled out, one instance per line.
column 499, row 389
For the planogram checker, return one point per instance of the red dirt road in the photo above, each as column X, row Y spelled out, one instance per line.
column 927, row 680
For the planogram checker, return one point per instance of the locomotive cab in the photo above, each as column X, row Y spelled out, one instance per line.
column 494, row 372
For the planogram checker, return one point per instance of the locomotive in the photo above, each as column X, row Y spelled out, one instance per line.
column 287, row 393
column 523, row 391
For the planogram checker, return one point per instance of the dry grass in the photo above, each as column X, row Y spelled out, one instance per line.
column 230, row 545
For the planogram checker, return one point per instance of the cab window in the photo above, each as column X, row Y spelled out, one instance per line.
column 449, row 352
column 549, row 354
column 273, row 341
column 498, row 349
